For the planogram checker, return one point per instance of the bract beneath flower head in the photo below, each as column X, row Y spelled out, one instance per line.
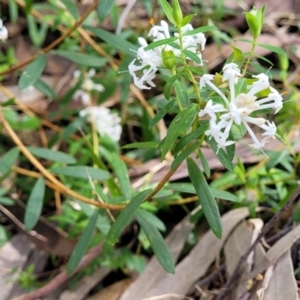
column 237, row 109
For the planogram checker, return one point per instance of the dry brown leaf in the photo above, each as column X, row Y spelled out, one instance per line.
column 45, row 236
column 84, row 286
column 196, row 263
column 274, row 253
column 13, row 254
column 154, row 273
column 282, row 284
column 111, row 292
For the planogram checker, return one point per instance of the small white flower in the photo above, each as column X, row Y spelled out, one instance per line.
column 106, row 123
column 237, row 109
column 147, row 62
column 88, row 85
column 3, row 31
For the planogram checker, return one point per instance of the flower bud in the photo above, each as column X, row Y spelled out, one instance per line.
column 168, row 57
column 177, row 13
column 255, row 20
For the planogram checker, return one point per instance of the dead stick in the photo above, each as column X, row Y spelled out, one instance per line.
column 63, row 277
column 264, row 231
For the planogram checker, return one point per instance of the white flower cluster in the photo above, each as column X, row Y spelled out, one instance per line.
column 106, row 123
column 236, row 109
column 3, row 31
column 87, row 86
column 148, row 61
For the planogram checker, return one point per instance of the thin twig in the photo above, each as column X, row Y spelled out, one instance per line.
column 265, row 230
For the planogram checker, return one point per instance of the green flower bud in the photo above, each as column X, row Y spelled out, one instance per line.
column 255, row 20
column 168, row 59
column 177, row 13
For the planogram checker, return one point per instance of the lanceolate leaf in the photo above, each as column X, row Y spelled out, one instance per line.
column 52, row 155
column 153, row 144
column 121, row 172
column 83, row 172
column 34, row 204
column 33, row 72
column 125, row 217
column 104, row 7
column 207, row 200
column 168, row 10
column 184, row 154
column 7, row 160
column 162, row 113
column 157, row 243
column 161, row 43
column 83, row 244
column 273, row 49
column 181, row 93
column 113, row 40
column 200, row 29
column 221, row 154
column 190, row 137
column 81, row 58
column 181, row 123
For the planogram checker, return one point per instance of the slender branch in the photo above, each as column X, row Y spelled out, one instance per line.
column 63, row 277
column 265, row 230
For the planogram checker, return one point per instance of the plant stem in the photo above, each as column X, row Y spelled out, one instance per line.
column 190, row 74
column 250, row 56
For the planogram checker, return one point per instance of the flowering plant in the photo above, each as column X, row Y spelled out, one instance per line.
column 223, row 108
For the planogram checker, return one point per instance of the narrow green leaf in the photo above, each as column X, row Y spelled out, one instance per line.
column 72, row 8
column 206, row 198
column 273, row 49
column 204, row 163
column 236, row 56
column 125, row 217
column 121, row 172
column 224, row 195
column 151, row 218
column 189, row 189
column 33, row 72
column 182, row 94
column 162, row 113
column 168, row 10
column 153, row 144
column 193, row 56
column 8, row 160
column 34, row 204
column 187, row 19
column 104, row 8
column 83, row 244
column 6, row 201
column 81, row 58
column 114, row 40
column 44, row 88
column 180, row 124
column 83, row 172
column 184, row 154
column 190, row 137
column 221, row 154
column 231, row 148
column 157, row 243
column 161, row 43
column 103, row 222
column 169, row 84
column 52, row 155
column 200, row 29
